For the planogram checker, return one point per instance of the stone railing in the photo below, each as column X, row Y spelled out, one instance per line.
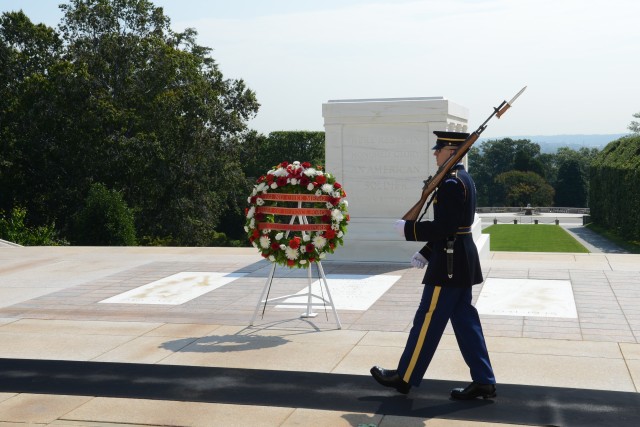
column 535, row 210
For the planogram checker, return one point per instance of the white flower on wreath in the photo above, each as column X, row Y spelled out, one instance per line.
column 291, row 253
column 329, row 205
column 252, row 223
column 251, row 211
column 259, row 201
column 294, row 181
column 319, row 241
column 280, row 172
column 337, row 216
column 279, row 236
column 335, row 226
column 340, row 234
column 310, row 186
column 283, row 247
column 310, row 172
column 318, row 192
column 303, row 261
column 265, row 242
column 272, row 258
column 306, row 237
column 262, row 186
column 327, row 188
column 274, row 185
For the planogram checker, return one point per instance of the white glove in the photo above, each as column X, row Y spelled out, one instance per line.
column 399, row 227
column 418, row 261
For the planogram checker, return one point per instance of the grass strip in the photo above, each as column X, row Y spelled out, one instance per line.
column 532, row 238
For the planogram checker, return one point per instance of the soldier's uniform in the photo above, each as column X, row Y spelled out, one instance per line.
column 447, row 288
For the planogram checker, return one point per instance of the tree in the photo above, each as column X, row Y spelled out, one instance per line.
column 261, row 153
column 129, row 103
column 635, row 126
column 267, row 152
column 549, row 167
column 481, row 175
column 566, row 170
column 526, row 161
column 14, row 229
column 572, row 178
column 495, row 157
column 571, row 189
column 27, row 52
column 105, row 219
column 523, row 188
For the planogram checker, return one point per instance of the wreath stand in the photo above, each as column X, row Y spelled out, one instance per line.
column 264, row 297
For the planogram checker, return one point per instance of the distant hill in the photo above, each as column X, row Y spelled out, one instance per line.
column 551, row 143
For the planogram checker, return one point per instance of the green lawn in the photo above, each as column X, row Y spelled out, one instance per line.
column 532, row 238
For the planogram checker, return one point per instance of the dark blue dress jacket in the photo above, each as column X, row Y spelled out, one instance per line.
column 454, row 207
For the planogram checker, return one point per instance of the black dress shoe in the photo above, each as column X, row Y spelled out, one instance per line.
column 390, row 378
column 474, row 390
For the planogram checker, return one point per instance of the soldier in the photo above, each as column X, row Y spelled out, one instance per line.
column 453, row 268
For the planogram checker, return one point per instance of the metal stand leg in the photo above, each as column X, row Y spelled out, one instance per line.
column 322, row 280
column 262, row 299
column 309, row 312
column 326, row 286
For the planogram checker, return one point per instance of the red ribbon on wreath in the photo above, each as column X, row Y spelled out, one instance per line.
column 286, row 197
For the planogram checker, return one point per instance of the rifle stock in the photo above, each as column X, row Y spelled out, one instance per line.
column 434, row 181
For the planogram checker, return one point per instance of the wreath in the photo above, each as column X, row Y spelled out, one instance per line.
column 296, row 215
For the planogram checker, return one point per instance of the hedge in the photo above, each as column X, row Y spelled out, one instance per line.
column 614, row 197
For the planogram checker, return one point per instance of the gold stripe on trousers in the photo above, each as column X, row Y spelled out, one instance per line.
column 423, row 334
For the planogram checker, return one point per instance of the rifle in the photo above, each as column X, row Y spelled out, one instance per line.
column 431, row 183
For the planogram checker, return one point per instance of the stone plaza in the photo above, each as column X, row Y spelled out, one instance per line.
column 162, row 336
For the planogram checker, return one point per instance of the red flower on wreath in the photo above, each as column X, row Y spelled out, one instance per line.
column 294, row 243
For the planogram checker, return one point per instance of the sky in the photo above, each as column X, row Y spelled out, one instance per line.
column 580, row 59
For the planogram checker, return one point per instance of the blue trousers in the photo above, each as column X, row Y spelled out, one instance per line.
column 437, row 306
